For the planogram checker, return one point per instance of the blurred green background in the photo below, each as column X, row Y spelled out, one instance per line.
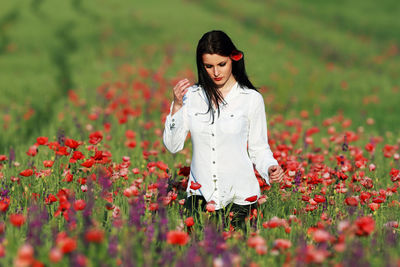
column 332, row 56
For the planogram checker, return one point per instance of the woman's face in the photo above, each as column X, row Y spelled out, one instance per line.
column 219, row 68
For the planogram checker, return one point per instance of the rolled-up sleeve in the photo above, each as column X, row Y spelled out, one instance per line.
column 176, row 129
column 258, row 147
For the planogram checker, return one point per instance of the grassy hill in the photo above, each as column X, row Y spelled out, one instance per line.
column 332, row 56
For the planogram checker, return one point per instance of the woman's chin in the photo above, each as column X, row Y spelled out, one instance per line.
column 219, row 83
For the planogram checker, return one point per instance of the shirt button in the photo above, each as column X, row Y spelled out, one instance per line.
column 212, row 134
column 173, row 124
column 213, row 162
column 173, row 119
column 213, row 149
column 214, row 175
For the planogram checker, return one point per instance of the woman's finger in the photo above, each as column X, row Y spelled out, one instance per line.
column 182, row 86
column 183, row 91
column 179, row 85
column 179, row 90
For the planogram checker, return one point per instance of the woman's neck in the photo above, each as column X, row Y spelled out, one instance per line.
column 227, row 86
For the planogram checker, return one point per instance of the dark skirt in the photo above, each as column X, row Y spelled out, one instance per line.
column 194, row 204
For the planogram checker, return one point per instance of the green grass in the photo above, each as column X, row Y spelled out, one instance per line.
column 50, row 47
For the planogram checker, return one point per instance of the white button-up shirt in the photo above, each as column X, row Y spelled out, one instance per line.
column 220, row 162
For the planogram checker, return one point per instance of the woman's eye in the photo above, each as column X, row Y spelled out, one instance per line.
column 208, row 66
column 222, row 64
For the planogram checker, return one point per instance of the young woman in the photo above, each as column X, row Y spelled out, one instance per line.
column 226, row 118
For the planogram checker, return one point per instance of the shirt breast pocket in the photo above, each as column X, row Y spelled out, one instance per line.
column 198, row 121
column 232, row 122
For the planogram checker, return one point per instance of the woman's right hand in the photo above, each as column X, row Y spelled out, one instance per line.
column 180, row 90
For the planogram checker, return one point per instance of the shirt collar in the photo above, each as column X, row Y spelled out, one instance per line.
column 236, row 89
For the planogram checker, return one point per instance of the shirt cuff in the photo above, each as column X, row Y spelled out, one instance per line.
column 173, row 122
column 266, row 174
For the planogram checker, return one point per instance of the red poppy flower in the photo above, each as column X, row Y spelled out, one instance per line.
column 4, row 204
column 194, row 185
column 282, row 244
column 71, row 143
column 26, row 173
column 394, row 174
column 130, row 134
column 50, row 199
column 131, row 191
column 88, row 163
column 62, row 151
column 189, row 221
column 68, row 245
column 370, row 147
column 236, row 55
column 255, row 241
column 94, row 235
column 79, row 204
column 17, row 219
column 48, row 163
column 55, row 255
column 177, row 237
column 25, row 256
column 252, row 198
column 321, row 236
column 161, row 165
column 78, row 155
column 365, row 196
column 184, row 171
column 130, row 143
column 32, row 151
column 95, row 138
column 210, row 207
column 274, row 222
column 3, row 158
column 365, row 226
column 319, row 198
column 378, row 199
column 42, row 140
column 82, row 181
column 373, row 206
column 351, row 201
column 153, row 206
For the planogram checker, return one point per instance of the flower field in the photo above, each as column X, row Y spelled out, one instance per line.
column 87, row 181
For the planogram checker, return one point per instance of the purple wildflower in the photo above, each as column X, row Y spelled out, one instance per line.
column 36, row 218
column 137, row 210
column 167, row 256
column 214, row 241
column 302, row 252
column 345, row 145
column 104, row 180
column 113, row 246
column 61, row 136
column 297, row 180
column 87, row 212
column 11, row 156
column 191, row 259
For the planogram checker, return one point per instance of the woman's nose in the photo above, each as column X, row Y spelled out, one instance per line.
column 216, row 72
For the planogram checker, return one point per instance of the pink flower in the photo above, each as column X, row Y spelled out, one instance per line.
column 210, row 207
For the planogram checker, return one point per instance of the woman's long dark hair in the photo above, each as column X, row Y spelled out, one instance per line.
column 218, row 42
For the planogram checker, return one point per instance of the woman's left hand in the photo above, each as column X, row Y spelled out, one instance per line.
column 275, row 173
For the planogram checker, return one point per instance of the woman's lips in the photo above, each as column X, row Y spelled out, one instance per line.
column 218, row 79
